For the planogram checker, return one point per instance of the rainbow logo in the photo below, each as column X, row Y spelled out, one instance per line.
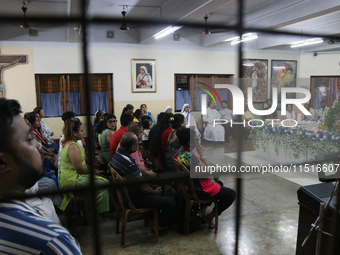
column 209, row 93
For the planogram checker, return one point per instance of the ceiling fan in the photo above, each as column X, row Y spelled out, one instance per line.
column 25, row 24
column 206, row 31
column 124, row 26
column 332, row 41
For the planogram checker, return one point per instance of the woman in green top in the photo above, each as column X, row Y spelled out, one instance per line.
column 110, row 124
column 74, row 172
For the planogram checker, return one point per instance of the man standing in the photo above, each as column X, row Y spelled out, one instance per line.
column 144, row 109
column 125, row 120
column 269, row 106
column 323, row 110
column 22, row 228
column 227, row 114
column 143, row 195
column 213, row 132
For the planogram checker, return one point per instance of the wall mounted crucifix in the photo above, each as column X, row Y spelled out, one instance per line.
column 6, row 62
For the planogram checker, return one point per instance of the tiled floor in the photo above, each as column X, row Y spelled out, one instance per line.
column 268, row 223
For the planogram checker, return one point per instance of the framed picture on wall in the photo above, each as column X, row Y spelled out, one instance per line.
column 143, row 75
column 255, row 76
column 283, row 75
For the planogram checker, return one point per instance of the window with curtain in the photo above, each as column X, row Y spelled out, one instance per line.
column 57, row 93
column 325, row 88
column 190, row 87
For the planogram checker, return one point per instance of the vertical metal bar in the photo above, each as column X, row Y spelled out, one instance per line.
column 96, row 233
column 319, row 230
column 239, row 132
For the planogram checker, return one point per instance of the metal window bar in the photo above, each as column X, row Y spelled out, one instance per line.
column 84, row 21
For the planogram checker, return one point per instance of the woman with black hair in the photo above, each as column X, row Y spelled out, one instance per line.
column 157, row 145
column 173, row 145
column 97, row 118
column 46, row 153
column 137, row 116
column 44, row 128
column 110, row 125
column 206, row 188
column 128, row 109
column 73, row 170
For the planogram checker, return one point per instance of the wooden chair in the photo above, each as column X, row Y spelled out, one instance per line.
column 191, row 197
column 80, row 206
column 127, row 209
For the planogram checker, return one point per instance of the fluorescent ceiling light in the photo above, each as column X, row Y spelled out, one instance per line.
column 245, row 37
column 306, row 42
column 166, row 31
column 279, row 67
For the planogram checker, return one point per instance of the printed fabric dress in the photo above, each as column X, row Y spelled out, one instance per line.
column 69, row 178
column 205, row 185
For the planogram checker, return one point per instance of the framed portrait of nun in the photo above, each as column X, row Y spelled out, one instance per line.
column 143, row 75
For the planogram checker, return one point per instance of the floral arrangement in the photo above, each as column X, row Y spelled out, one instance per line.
column 299, row 140
column 331, row 123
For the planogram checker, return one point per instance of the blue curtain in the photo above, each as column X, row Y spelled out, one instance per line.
column 99, row 101
column 222, row 93
column 75, row 102
column 51, row 102
column 182, row 97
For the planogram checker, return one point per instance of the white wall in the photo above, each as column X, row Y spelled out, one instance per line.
column 20, row 81
column 168, row 62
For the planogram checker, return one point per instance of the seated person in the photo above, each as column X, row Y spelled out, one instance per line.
column 290, row 114
column 126, row 120
column 147, row 125
column 168, row 109
column 143, row 195
column 137, row 115
column 44, row 128
column 190, row 119
column 49, row 182
column 128, row 109
column 68, row 116
column 110, row 125
column 34, row 124
column 22, row 228
column 145, row 112
column 211, row 132
column 323, row 110
column 73, row 170
column 98, row 117
column 206, row 188
column 137, row 129
column 173, row 145
column 272, row 115
column 314, row 116
column 39, row 135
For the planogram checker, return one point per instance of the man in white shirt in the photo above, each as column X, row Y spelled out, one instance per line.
column 211, row 133
column 227, row 114
column 323, row 110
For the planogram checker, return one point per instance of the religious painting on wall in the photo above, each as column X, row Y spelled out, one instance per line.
column 283, row 75
column 6, row 62
column 255, row 76
column 143, row 75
